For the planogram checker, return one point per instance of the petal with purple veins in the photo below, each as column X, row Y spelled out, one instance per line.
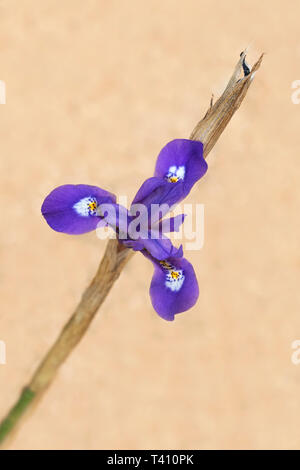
column 161, row 248
column 172, row 224
column 158, row 196
column 174, row 287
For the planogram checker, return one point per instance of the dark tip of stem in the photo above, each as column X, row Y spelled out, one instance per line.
column 246, row 68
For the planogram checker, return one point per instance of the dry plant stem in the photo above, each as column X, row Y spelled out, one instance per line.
column 208, row 130
column 113, row 261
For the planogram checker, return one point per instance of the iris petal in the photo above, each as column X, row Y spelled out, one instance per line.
column 174, row 287
column 172, row 224
column 72, row 208
column 153, row 239
column 161, row 248
column 159, row 196
column 181, row 162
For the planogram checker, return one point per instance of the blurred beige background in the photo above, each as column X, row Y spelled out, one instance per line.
column 94, row 90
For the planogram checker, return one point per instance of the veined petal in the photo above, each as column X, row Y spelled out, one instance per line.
column 158, row 196
column 174, row 287
column 157, row 244
column 181, row 163
column 73, row 209
column 172, row 224
column 154, row 241
column 117, row 217
column 161, row 248
column 154, row 190
column 179, row 166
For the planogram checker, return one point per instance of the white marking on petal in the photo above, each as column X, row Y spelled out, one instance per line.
column 175, row 283
column 180, row 172
column 175, row 173
column 172, row 170
column 86, row 206
column 174, row 277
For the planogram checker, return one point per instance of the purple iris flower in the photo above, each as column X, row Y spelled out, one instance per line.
column 77, row 209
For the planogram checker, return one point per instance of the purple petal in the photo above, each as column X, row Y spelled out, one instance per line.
column 140, row 237
column 158, row 196
column 174, row 287
column 179, row 166
column 117, row 217
column 171, row 224
column 152, row 191
column 161, row 248
column 72, row 208
column 157, row 244
column 181, row 162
